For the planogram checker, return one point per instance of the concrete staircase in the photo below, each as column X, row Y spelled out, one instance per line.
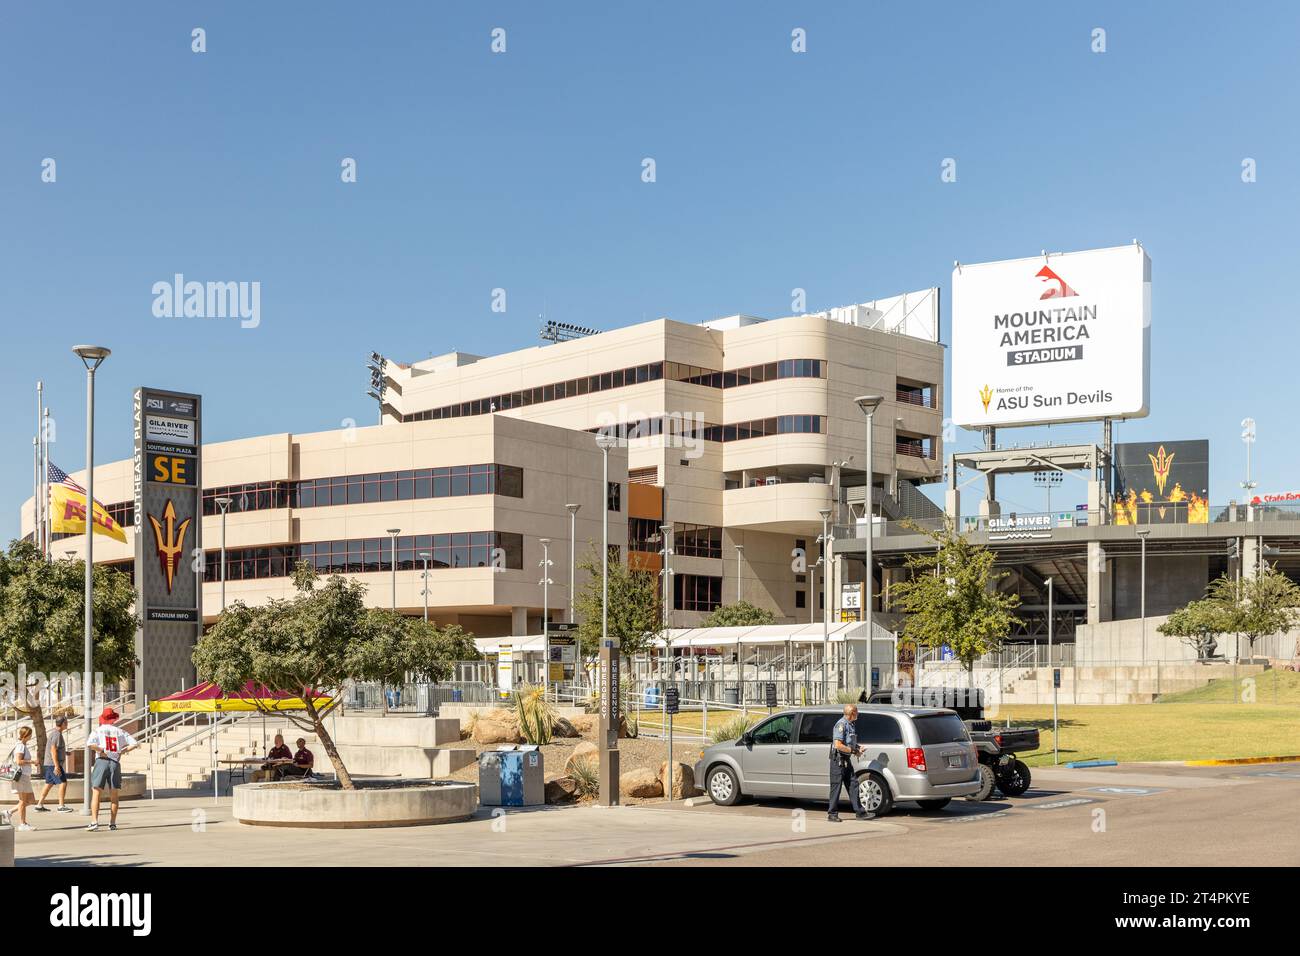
column 1119, row 683
column 369, row 745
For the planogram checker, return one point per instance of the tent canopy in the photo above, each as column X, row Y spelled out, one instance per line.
column 209, row 698
column 684, row 637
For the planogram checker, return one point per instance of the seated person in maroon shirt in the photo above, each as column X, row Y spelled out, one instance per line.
column 280, row 751
column 302, row 762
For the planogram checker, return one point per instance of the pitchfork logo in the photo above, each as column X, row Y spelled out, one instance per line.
column 1056, row 287
column 171, row 542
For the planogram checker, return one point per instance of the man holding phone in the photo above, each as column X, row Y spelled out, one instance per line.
column 844, row 746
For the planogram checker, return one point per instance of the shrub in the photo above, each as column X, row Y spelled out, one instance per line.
column 731, row 728
column 849, row 696
column 586, row 773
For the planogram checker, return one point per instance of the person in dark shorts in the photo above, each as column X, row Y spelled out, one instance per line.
column 56, row 767
column 303, row 761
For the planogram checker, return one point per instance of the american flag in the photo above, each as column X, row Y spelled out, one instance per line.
column 60, row 477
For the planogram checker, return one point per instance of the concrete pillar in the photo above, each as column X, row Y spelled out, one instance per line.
column 518, row 621
column 952, row 504
column 1096, row 502
column 1099, row 584
column 1249, row 557
column 989, row 508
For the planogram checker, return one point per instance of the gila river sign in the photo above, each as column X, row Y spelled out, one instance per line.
column 1061, row 337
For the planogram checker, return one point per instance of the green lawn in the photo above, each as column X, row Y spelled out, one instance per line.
column 1271, row 687
column 1191, row 731
column 1199, row 729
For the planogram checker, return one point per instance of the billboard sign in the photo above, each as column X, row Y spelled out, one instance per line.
column 168, row 538
column 1162, row 482
column 1057, row 338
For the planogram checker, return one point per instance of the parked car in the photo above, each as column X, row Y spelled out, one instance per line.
column 921, row 754
column 999, row 767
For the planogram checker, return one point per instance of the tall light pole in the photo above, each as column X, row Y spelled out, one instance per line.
column 224, row 504
column 666, row 575
column 740, row 587
column 1248, row 439
column 424, row 556
column 392, row 534
column 1142, row 535
column 869, row 404
column 1056, row 736
column 826, row 598
column 609, row 702
column 92, row 356
column 545, row 582
column 573, row 551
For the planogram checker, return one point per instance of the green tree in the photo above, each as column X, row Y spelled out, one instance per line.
column 1256, row 605
column 1197, row 624
column 311, row 645
column 635, row 610
column 42, row 627
column 740, row 614
column 951, row 598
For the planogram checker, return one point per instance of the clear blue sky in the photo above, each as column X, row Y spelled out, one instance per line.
column 522, row 171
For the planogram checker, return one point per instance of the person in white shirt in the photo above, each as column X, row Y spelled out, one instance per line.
column 22, row 787
column 109, row 743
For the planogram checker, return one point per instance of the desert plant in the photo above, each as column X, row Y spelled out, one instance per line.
column 586, row 774
column 535, row 714
column 731, row 728
column 849, row 696
column 467, row 730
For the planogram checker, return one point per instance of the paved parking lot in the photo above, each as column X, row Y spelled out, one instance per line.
column 1133, row 815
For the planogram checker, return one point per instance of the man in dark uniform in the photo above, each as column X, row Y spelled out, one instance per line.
column 844, row 745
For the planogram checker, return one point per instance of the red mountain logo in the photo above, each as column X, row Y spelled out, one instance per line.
column 1056, row 288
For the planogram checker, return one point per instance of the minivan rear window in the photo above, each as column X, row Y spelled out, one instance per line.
column 941, row 729
column 878, row 729
column 817, row 728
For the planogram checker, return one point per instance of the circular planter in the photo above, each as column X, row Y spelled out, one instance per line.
column 375, row 803
column 134, row 786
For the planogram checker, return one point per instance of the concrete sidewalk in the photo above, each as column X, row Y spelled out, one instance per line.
column 196, row 831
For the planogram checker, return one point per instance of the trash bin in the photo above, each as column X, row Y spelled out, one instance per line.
column 511, row 776
column 652, row 697
column 731, row 695
column 457, row 695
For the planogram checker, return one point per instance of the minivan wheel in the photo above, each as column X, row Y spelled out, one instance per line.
column 873, row 794
column 934, row 804
column 722, row 786
column 1015, row 781
column 987, row 781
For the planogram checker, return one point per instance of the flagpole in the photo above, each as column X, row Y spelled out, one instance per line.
column 38, row 515
column 47, row 528
column 36, row 491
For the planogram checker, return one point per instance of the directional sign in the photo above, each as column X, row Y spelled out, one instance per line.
column 671, row 700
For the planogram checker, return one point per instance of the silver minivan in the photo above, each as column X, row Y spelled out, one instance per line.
column 922, row 754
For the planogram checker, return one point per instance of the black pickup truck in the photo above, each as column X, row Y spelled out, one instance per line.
column 997, row 747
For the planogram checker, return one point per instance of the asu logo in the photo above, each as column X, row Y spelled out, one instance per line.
column 986, row 396
column 170, row 545
column 1058, row 291
column 1160, row 465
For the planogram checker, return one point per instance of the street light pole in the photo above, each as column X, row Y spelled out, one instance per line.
column 869, row 404
column 545, row 582
column 424, row 556
column 393, row 533
column 223, row 503
column 1248, row 439
column 740, row 590
column 826, row 599
column 573, row 556
column 92, row 356
column 1142, row 535
column 1055, row 690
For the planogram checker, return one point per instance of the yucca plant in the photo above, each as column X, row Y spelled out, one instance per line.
column 849, row 696
column 586, row 774
column 731, row 728
column 535, row 714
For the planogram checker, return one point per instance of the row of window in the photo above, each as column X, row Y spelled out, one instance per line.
column 689, row 540
column 620, row 378
column 464, row 549
column 676, row 426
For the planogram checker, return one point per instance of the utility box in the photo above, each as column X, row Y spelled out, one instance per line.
column 511, row 776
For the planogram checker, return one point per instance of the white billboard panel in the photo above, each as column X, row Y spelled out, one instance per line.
column 1057, row 338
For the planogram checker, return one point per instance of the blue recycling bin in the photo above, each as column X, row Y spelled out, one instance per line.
column 652, row 697
column 457, row 695
column 513, row 776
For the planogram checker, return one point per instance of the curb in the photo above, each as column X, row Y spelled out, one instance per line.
column 1240, row 761
column 696, row 801
column 1091, row 763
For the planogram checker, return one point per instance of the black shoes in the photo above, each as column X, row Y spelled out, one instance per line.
column 832, row 818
